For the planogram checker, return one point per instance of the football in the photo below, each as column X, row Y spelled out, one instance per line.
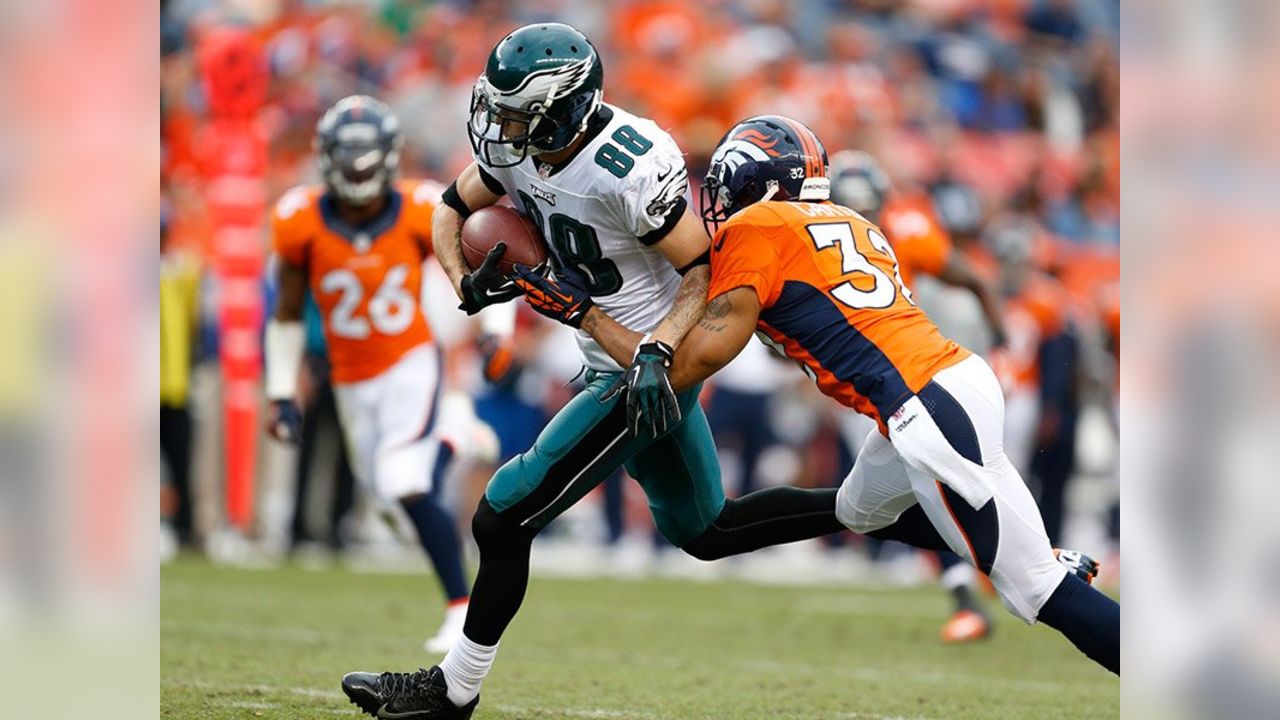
column 487, row 226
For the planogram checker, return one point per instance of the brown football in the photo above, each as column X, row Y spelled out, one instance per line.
column 485, row 227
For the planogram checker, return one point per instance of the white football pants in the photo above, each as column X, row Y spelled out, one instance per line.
column 945, row 452
column 390, row 425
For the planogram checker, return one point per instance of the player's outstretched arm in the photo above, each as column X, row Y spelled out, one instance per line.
column 724, row 329
column 467, row 194
column 960, row 273
column 283, row 349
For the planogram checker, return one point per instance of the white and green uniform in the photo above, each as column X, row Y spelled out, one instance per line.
column 601, row 212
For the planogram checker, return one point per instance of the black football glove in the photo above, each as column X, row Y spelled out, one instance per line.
column 564, row 298
column 652, row 405
column 486, row 285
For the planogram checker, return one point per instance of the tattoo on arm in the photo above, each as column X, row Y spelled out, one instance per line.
column 687, row 308
column 717, row 309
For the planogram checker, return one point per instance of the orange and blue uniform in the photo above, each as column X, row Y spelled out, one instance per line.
column 366, row 281
column 832, row 299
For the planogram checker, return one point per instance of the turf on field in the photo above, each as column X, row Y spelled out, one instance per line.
column 274, row 644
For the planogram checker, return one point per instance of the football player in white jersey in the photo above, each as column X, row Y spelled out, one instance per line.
column 608, row 190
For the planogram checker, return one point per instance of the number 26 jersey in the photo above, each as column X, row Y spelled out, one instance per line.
column 367, row 280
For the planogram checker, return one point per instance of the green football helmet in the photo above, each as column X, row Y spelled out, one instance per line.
column 540, row 87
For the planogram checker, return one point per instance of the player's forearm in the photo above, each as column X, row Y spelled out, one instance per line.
column 993, row 313
column 958, row 272
column 446, row 241
column 614, row 338
column 691, row 300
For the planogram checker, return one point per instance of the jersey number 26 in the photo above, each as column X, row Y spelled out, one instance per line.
column 390, row 309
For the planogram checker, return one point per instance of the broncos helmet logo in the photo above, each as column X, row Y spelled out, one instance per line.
column 760, row 140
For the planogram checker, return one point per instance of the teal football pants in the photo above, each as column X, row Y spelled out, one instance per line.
column 588, row 440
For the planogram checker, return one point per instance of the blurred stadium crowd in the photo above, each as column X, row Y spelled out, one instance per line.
column 1004, row 112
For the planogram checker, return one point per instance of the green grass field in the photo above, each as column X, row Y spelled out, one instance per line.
column 274, row 644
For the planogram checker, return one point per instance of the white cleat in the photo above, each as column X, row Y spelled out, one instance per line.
column 449, row 632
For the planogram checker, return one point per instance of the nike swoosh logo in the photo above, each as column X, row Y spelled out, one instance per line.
column 383, row 712
column 490, row 293
column 664, row 176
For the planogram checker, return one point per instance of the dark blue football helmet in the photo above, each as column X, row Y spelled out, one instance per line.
column 767, row 157
column 859, row 183
column 358, row 144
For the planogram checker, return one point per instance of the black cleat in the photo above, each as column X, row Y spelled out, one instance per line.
column 420, row 695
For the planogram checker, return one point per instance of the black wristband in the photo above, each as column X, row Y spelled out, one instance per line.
column 703, row 259
column 452, row 199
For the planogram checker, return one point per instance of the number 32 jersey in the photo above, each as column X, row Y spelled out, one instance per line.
column 602, row 211
column 832, row 299
column 366, row 281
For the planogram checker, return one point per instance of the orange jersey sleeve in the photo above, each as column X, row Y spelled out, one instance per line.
column 421, row 198
column 293, row 224
column 917, row 237
column 743, row 255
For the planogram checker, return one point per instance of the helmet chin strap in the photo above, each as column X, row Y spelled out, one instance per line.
column 770, row 189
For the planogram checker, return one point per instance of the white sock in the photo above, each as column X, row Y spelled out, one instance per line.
column 464, row 667
column 959, row 575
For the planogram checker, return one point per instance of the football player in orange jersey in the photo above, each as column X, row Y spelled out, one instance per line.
column 358, row 242
column 921, row 245
column 820, row 283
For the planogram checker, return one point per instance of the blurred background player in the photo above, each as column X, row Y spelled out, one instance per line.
column 922, row 247
column 179, row 338
column 359, row 242
column 1039, row 367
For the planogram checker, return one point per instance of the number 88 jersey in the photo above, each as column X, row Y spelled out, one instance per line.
column 367, row 280
column 602, row 211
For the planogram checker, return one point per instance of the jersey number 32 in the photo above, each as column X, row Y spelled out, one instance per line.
column 852, row 260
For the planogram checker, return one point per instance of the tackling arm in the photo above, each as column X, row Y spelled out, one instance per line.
column 685, row 244
column 725, row 328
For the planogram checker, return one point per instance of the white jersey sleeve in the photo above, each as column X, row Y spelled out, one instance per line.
column 656, row 192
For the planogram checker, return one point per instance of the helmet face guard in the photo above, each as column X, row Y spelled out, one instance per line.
column 726, row 191
column 358, row 147
column 503, row 135
column 541, row 86
column 762, row 158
